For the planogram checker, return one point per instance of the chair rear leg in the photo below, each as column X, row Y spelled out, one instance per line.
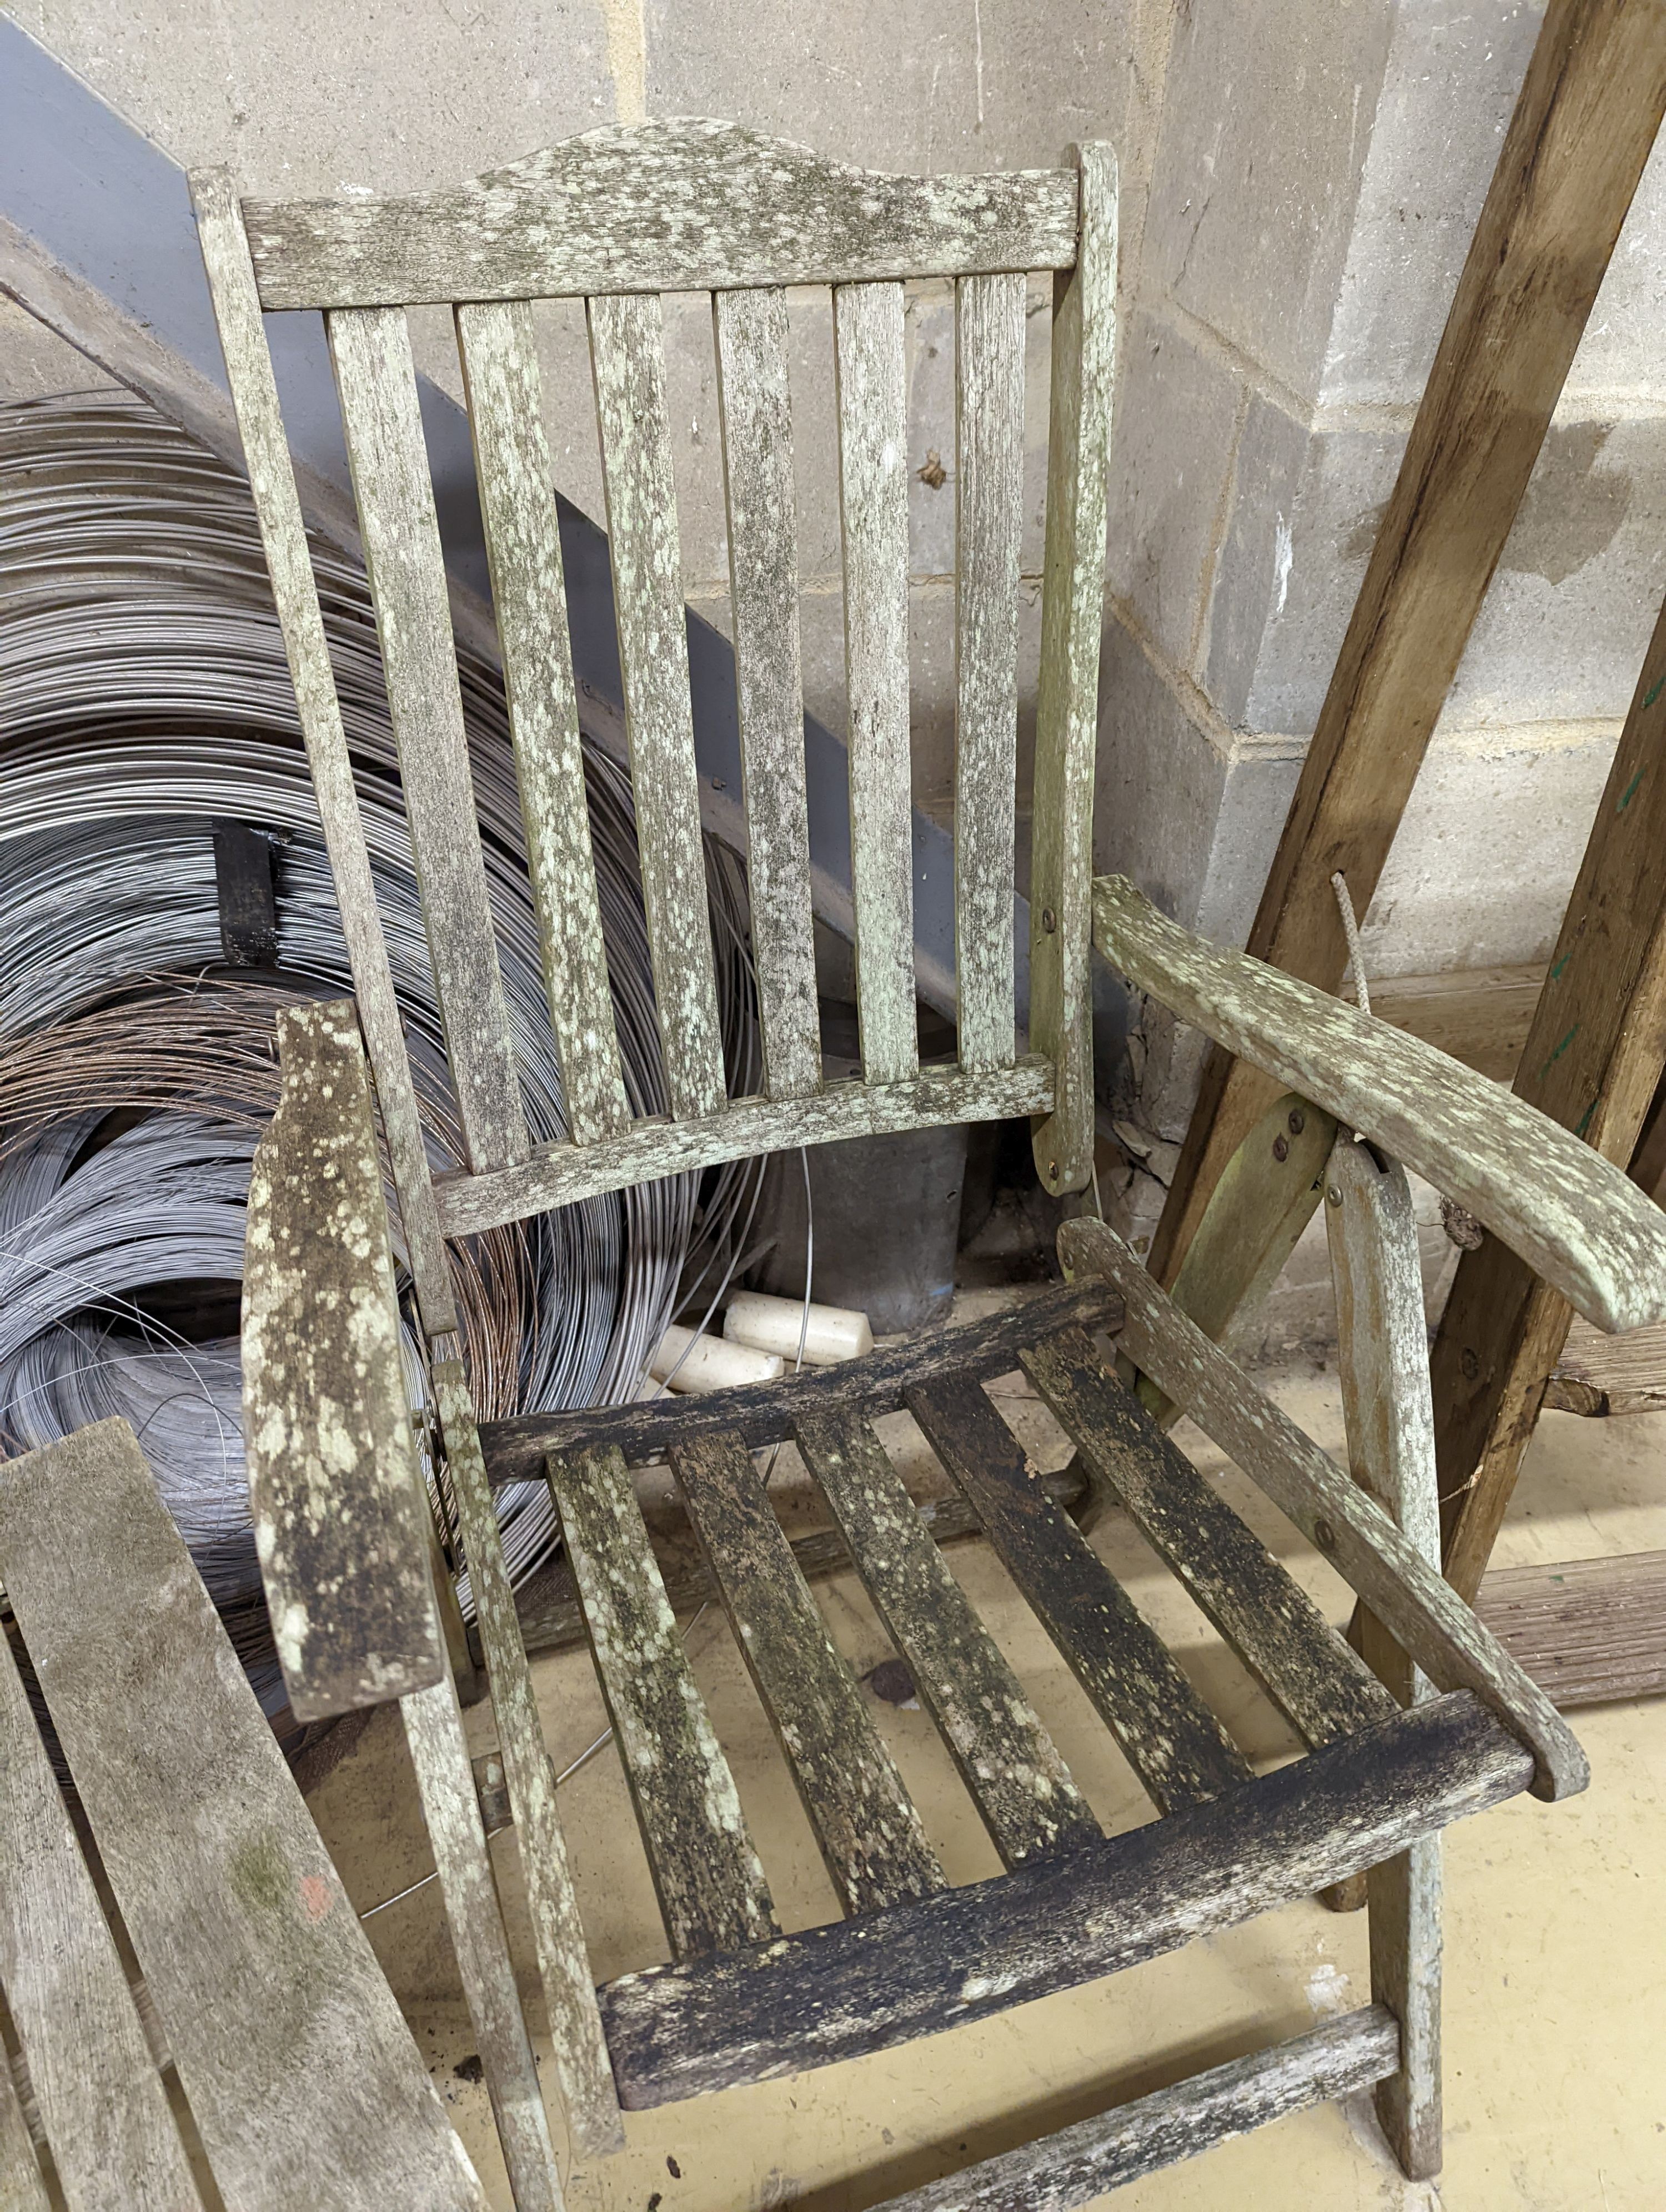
column 1404, row 1898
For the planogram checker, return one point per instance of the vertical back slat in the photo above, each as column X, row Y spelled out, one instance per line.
column 750, row 330
column 498, row 347
column 288, row 561
column 872, row 405
column 627, row 352
column 1067, row 705
column 988, row 517
column 377, row 383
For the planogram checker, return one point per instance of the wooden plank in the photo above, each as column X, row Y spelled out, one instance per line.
column 552, row 1620
column 755, row 408
column 871, row 1838
column 570, row 1995
column 267, row 1989
column 376, row 383
column 1384, row 1366
column 247, row 895
column 628, row 354
column 1597, row 1375
column 341, row 1521
column 1479, row 1015
column 1588, row 1631
column 1176, row 1746
column 468, row 1888
column 1586, row 117
column 21, row 2186
column 1256, row 1215
column 1067, row 700
column 686, row 205
column 1274, row 1627
column 765, row 1413
column 825, row 1994
column 101, row 2103
column 874, row 510
column 1064, row 2171
column 1022, row 1788
column 708, row 1877
column 558, row 1174
column 1592, row 1062
column 1573, row 1216
column 294, row 589
column 498, row 348
column 988, row 520
column 1434, row 1626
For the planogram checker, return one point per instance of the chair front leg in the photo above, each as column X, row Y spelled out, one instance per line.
column 1390, row 1412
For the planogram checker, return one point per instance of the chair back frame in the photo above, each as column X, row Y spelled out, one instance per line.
column 618, row 217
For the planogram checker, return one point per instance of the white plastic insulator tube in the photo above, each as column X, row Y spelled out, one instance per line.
column 831, row 1335
column 710, row 1364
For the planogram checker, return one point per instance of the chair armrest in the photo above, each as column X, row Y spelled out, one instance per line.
column 1425, row 1615
column 1575, row 1218
column 341, row 1523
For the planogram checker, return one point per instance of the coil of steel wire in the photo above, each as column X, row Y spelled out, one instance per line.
column 145, row 693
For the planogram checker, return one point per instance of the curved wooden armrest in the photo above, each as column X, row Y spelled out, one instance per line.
column 1575, row 1218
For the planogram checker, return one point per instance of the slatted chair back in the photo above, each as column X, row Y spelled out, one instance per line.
column 618, row 218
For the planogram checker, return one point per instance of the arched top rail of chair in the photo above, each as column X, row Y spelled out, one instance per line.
column 682, row 205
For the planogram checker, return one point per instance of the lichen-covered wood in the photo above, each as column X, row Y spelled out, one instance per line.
column 376, row 384
column 498, row 348
column 301, row 2076
column 707, row 1874
column 1067, row 697
column 96, row 2089
column 825, row 1994
column 570, row 1995
column 628, row 354
column 1272, row 1624
column 682, row 205
column 557, row 1174
column 1383, row 1365
column 1075, row 2168
column 988, row 520
column 765, row 1413
column 1174, row 1743
column 872, row 369
column 1434, row 1624
column 340, row 1519
column 290, row 566
column 1572, row 1215
column 755, row 405
column 1019, row 1783
column 872, row 1843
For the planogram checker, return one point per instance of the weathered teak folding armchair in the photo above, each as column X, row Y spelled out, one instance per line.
column 618, row 218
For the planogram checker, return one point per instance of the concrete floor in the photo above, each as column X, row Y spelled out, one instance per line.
column 1556, row 1936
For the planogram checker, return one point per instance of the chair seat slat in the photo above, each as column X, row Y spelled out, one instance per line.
column 989, row 516
column 875, row 1849
column 1309, row 1670
column 376, row 380
column 221, row 1877
column 1020, row 1785
column 107, row 2123
column 1174, row 1743
column 873, row 506
column 750, row 330
column 499, row 350
column 627, row 352
column 707, row 1875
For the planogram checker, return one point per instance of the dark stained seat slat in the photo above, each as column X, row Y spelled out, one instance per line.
column 709, row 1880
column 876, row 1851
column 1019, row 1783
column 1311, row 1673
column 1174, row 1743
